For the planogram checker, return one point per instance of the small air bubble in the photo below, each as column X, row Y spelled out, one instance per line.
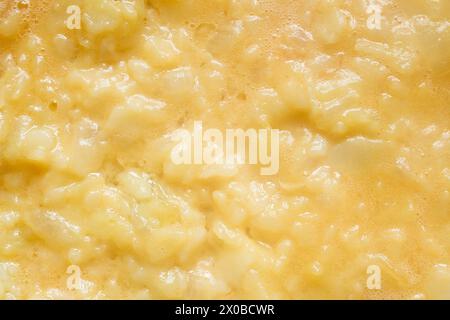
column 23, row 4
column 53, row 106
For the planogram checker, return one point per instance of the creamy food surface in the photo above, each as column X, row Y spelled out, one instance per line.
column 92, row 206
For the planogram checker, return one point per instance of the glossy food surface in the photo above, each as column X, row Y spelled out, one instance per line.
column 88, row 188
